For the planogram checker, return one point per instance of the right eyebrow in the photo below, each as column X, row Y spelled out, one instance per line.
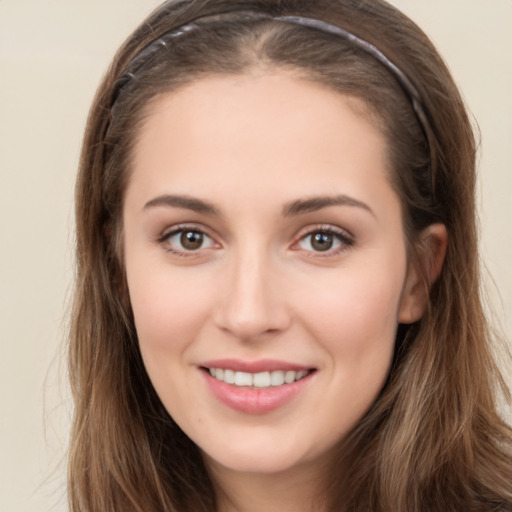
column 186, row 202
column 316, row 203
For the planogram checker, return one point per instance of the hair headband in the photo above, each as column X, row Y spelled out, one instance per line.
column 408, row 87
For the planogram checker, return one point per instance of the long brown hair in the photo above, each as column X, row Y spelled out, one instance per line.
column 433, row 440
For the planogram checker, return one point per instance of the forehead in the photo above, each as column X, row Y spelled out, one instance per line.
column 262, row 131
column 258, row 91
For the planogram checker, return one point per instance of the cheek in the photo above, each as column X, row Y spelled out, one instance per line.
column 355, row 318
column 361, row 298
column 168, row 309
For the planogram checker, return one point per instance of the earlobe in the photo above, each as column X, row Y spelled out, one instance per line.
column 422, row 273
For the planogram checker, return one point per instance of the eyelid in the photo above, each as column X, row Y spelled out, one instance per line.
column 345, row 237
column 178, row 228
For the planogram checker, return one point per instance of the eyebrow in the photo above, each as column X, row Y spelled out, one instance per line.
column 187, row 202
column 293, row 208
column 316, row 203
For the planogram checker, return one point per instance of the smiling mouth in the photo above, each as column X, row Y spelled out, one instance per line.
column 257, row 380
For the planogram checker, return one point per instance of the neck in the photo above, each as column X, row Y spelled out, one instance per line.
column 295, row 490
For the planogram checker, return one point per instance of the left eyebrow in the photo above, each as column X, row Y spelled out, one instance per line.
column 312, row 204
column 185, row 202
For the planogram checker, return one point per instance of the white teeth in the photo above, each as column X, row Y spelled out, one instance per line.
column 277, row 378
column 241, row 378
column 261, row 380
column 229, row 376
column 257, row 380
column 289, row 377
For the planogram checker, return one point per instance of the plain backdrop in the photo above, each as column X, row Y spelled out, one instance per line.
column 52, row 55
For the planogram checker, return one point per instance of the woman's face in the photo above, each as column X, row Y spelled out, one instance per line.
column 266, row 266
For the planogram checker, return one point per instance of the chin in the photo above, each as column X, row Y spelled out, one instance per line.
column 263, row 463
column 261, row 458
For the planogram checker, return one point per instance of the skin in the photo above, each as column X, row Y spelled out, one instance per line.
column 251, row 146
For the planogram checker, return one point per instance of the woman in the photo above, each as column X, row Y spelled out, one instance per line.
column 277, row 302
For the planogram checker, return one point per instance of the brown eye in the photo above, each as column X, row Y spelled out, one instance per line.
column 322, row 241
column 325, row 240
column 191, row 240
column 187, row 240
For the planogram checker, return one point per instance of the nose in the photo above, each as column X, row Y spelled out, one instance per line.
column 251, row 302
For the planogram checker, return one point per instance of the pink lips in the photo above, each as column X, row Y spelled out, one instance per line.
column 255, row 400
column 263, row 365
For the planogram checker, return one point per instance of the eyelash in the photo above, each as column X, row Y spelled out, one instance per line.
column 344, row 239
column 181, row 229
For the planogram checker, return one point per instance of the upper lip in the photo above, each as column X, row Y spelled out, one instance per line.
column 261, row 365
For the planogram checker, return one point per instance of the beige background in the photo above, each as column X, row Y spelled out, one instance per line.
column 52, row 54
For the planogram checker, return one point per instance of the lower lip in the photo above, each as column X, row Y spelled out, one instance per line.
column 255, row 400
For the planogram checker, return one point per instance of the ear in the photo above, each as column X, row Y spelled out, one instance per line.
column 422, row 272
